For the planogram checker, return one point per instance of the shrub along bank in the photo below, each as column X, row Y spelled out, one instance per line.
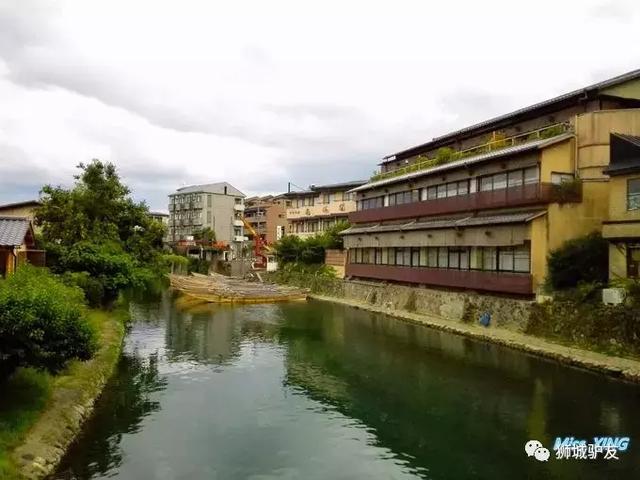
column 40, row 413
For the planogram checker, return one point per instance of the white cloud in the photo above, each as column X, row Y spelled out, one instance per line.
column 260, row 93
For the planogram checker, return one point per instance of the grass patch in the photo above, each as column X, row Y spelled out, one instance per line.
column 34, row 404
column 25, row 395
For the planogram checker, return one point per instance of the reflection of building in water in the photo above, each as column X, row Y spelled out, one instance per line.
column 213, row 336
column 421, row 391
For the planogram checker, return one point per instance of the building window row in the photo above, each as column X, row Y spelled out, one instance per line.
column 498, row 259
column 513, row 178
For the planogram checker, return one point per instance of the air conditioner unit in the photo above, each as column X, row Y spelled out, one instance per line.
column 613, row 296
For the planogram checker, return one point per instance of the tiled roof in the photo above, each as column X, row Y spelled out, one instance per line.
column 620, row 79
column 483, row 157
column 13, row 231
column 457, row 222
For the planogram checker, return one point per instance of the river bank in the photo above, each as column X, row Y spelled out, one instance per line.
column 572, row 333
column 70, row 400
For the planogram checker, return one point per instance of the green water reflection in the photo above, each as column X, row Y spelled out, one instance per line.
column 321, row 391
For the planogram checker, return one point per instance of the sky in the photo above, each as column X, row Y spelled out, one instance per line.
column 262, row 93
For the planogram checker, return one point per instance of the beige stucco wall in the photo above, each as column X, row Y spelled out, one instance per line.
column 493, row 235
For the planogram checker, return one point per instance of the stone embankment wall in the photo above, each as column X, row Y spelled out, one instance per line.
column 466, row 307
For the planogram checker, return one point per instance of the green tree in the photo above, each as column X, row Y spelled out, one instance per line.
column 97, row 235
column 580, row 260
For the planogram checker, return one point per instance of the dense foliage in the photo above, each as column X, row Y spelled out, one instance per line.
column 581, row 260
column 97, row 236
column 588, row 324
column 319, row 279
column 292, row 249
column 42, row 322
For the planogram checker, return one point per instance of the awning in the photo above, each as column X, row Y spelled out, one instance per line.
column 458, row 222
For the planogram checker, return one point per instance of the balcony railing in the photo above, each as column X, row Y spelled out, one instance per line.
column 524, row 195
column 549, row 131
column 503, row 282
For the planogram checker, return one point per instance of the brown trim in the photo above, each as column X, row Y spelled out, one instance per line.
column 502, row 282
column 613, row 222
column 524, row 195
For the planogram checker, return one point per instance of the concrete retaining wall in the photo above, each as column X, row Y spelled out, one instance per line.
column 463, row 307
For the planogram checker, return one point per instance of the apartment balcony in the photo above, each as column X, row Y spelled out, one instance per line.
column 238, row 223
column 502, row 282
column 197, row 221
column 521, row 196
column 238, row 207
column 240, row 238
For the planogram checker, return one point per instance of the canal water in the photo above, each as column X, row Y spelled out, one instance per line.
column 322, row 391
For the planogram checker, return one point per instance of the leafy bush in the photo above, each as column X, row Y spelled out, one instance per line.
column 199, row 265
column 310, row 251
column 584, row 259
column 43, row 322
column 317, row 278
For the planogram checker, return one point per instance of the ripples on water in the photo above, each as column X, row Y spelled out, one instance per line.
column 321, row 391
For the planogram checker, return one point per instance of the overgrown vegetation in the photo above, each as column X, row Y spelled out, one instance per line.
column 310, row 251
column 43, row 322
column 589, row 324
column 583, row 260
column 567, row 191
column 97, row 236
column 319, row 279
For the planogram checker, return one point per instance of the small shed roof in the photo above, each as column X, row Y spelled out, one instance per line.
column 15, row 231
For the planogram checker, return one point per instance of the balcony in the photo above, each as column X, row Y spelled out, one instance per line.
column 521, row 196
column 238, row 207
column 238, row 223
column 240, row 238
column 503, row 282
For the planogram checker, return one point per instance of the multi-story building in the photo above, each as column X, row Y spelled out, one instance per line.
column 320, row 207
column 481, row 208
column 267, row 216
column 215, row 206
column 622, row 228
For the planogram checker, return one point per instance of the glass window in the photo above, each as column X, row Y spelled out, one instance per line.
column 505, row 259
column 399, row 256
column 489, row 258
column 432, row 257
column 521, row 259
column 358, row 255
column 514, row 179
column 499, row 181
column 407, row 257
column 633, row 194
column 454, row 258
column 392, row 200
column 452, row 189
column 365, row 256
column 432, row 193
column 415, row 195
column 392, row 256
column 558, row 178
column 463, row 187
column 378, row 259
column 443, row 257
column 441, row 191
column 415, row 257
column 486, row 184
column 384, row 259
column 531, row 175
column 423, row 257
column 464, row 259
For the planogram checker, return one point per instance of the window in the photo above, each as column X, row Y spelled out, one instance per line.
column 441, row 191
column 558, row 178
column 486, row 184
column 633, row 194
column 369, row 203
column 505, row 259
column 432, row 193
column 391, row 256
column 415, row 257
column 489, row 258
column 423, row 257
column 432, row 257
column 378, row 259
column 514, row 179
column 326, row 198
column 443, row 257
column 385, row 256
column 452, row 189
column 531, row 175
column 499, row 181
column 521, row 260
